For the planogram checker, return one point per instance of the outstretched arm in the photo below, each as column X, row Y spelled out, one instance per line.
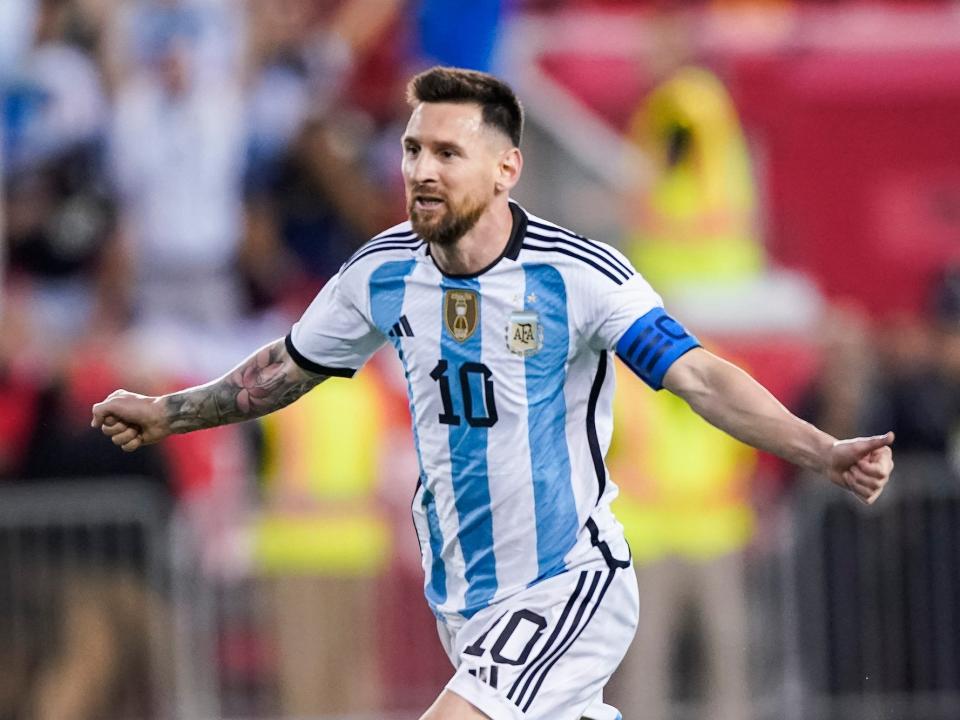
column 728, row 398
column 266, row 381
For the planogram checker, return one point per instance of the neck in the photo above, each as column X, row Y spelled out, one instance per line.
column 481, row 245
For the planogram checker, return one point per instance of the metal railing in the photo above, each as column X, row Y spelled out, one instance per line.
column 872, row 600
column 84, row 599
column 854, row 614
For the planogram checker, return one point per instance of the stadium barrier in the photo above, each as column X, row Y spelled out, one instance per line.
column 85, row 600
column 872, row 599
column 855, row 610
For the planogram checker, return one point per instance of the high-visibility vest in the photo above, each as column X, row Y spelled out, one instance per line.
column 696, row 220
column 321, row 469
column 684, row 485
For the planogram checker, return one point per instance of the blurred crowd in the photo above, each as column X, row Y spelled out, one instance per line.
column 179, row 178
column 177, row 173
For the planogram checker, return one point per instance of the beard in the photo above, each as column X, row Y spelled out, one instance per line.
column 449, row 225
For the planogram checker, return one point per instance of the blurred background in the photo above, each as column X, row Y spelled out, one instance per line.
column 181, row 176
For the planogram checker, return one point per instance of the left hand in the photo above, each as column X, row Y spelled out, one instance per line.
column 131, row 420
column 862, row 465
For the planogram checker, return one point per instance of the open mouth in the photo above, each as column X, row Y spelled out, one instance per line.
column 427, row 202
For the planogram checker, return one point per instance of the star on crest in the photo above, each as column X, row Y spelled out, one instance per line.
column 532, row 298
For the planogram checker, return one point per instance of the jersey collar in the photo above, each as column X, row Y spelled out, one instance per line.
column 519, row 232
column 512, row 249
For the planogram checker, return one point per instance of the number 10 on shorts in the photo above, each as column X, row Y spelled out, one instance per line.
column 515, row 642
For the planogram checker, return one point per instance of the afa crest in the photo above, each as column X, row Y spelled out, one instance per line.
column 524, row 332
column 461, row 313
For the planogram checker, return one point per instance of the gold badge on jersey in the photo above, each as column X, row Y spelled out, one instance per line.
column 524, row 333
column 461, row 313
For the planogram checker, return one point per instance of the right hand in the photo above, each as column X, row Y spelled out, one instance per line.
column 862, row 465
column 131, row 420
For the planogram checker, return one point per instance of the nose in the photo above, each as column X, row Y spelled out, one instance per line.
column 421, row 169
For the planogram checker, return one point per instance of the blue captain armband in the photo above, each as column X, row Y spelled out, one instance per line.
column 652, row 344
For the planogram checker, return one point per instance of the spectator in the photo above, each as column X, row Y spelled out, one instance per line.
column 84, row 598
column 323, row 542
column 686, row 495
column 695, row 223
column 844, row 395
column 904, row 375
column 685, row 507
column 920, row 385
column 59, row 216
column 17, row 19
column 311, row 198
column 181, row 193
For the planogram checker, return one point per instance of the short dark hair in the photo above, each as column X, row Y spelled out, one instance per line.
column 499, row 104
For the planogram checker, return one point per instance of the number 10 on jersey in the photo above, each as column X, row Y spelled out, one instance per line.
column 486, row 414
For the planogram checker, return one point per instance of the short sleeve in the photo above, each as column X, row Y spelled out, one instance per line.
column 334, row 336
column 615, row 307
column 631, row 320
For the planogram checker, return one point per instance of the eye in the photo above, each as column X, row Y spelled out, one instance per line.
column 448, row 154
column 411, row 150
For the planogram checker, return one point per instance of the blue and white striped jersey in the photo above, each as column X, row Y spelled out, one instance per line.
column 510, row 385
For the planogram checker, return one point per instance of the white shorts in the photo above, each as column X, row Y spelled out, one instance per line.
column 546, row 652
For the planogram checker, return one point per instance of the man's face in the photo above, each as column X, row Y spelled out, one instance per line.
column 450, row 166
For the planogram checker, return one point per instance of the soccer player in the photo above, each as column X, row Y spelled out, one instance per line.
column 505, row 324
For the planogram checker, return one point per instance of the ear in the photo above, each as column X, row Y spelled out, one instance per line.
column 508, row 170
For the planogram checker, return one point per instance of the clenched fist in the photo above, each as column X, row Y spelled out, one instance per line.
column 131, row 420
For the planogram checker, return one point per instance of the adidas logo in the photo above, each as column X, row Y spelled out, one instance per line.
column 401, row 328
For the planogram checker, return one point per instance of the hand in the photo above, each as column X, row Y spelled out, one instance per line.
column 862, row 465
column 130, row 420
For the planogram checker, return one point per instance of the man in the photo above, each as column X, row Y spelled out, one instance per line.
column 504, row 324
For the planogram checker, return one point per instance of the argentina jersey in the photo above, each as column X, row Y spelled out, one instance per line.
column 510, row 383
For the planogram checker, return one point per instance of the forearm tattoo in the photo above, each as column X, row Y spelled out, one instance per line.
column 266, row 381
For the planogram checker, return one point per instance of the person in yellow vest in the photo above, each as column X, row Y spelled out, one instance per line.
column 684, row 485
column 684, row 503
column 322, row 543
column 693, row 219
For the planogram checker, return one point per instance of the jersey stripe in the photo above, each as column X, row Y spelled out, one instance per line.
column 555, row 507
column 585, row 248
column 557, row 630
column 411, row 244
column 544, row 658
column 397, row 234
column 561, row 651
column 381, row 239
column 578, row 256
column 592, row 440
column 468, row 461
column 387, row 290
column 606, row 251
column 309, row 365
column 436, row 590
column 604, row 547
